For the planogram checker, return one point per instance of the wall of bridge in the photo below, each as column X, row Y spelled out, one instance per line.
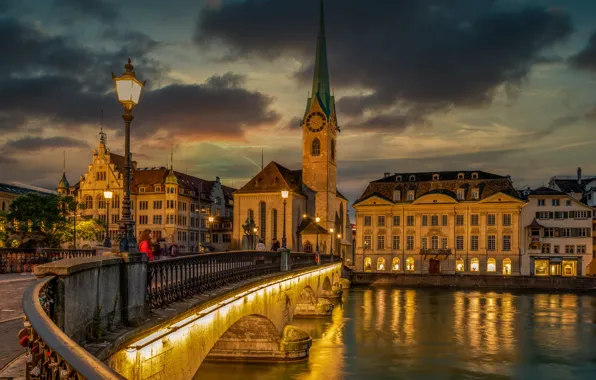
column 177, row 349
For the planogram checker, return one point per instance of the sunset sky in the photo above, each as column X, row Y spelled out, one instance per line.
column 503, row 86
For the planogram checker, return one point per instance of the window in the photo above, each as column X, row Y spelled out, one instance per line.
column 143, row 205
column 569, row 268
column 444, row 220
column 506, row 219
column 115, row 219
column 424, row 220
column 226, row 238
column 116, row 202
column 157, row 219
column 170, row 219
column 556, row 202
column 474, row 220
column 332, row 149
column 444, row 243
column 367, row 221
column 412, row 177
column 410, row 196
column 561, row 215
column 101, row 202
column 460, row 194
column 565, row 232
column 218, row 200
column 263, row 226
column 459, row 264
column 367, row 242
column 549, row 232
column 459, row 242
column 395, row 264
column 541, row 202
column 541, row 267
column 367, row 264
column 157, row 205
column 434, row 242
column 88, row 202
column 143, row 219
column 215, row 238
column 492, row 243
column 410, row 264
column 141, row 189
column 459, row 220
column 569, row 249
column 556, row 249
column 171, row 190
column 396, row 195
column 506, row 266
column 568, row 202
column 475, row 194
column 274, row 224
column 491, row 219
column 410, row 220
column 423, row 242
column 434, row 220
column 380, row 242
column 410, row 242
column 396, row 220
column 581, row 249
column 506, row 242
column 158, row 189
column 102, row 218
column 474, row 265
column 316, row 147
column 396, row 242
column 582, row 214
column 474, row 243
column 170, row 204
column 380, row 263
column 380, row 221
column 491, row 265
column 545, row 248
column 435, row 177
column 474, row 175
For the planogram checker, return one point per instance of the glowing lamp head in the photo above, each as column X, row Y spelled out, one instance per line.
column 107, row 194
column 317, row 219
column 304, row 216
column 128, row 87
column 255, row 229
column 211, row 219
column 339, row 236
column 331, row 230
column 285, row 194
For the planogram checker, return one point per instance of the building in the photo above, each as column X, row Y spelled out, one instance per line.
column 439, row 222
column 558, row 234
column 258, row 205
column 174, row 205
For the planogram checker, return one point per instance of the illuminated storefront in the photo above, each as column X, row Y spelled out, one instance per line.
column 556, row 266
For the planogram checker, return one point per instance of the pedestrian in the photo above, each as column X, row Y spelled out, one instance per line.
column 260, row 246
column 275, row 245
column 173, row 250
column 145, row 244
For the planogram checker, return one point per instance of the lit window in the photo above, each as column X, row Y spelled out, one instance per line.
column 474, row 265
column 506, row 266
column 491, row 265
column 395, row 264
column 541, row 267
column 367, row 264
column 459, row 265
column 569, row 268
column 380, row 263
column 368, row 242
column 410, row 264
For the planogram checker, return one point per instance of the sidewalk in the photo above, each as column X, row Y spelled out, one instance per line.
column 12, row 287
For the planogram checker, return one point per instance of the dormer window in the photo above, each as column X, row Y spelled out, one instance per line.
column 396, row 195
column 460, row 194
column 158, row 189
column 474, row 175
column 398, row 178
column 171, row 190
column 435, row 177
column 460, row 176
column 475, row 194
column 141, row 189
column 412, row 177
column 410, row 195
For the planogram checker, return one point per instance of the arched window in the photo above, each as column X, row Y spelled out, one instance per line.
column 308, row 247
column 410, row 264
column 434, row 241
column 263, row 226
column 367, row 264
column 116, row 202
column 506, row 266
column 380, row 263
column 474, row 265
column 332, row 149
column 274, row 224
column 101, row 202
column 491, row 265
column 316, row 147
column 395, row 264
column 88, row 202
column 412, row 177
column 459, row 265
column 460, row 176
column 474, row 175
column 435, row 177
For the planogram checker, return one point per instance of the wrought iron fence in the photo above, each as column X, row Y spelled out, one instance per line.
column 302, row 260
column 51, row 354
column 175, row 279
column 19, row 260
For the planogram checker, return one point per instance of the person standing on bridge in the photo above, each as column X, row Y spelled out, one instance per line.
column 260, row 246
column 145, row 244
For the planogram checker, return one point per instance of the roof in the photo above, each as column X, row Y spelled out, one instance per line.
column 572, row 185
column 274, row 178
column 117, row 160
column 321, row 88
column 535, row 224
column 546, row 191
column 422, row 183
column 340, row 195
column 19, row 189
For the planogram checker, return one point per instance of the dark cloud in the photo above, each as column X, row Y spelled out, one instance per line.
column 390, row 122
column 586, row 59
column 40, row 143
column 432, row 54
column 94, row 9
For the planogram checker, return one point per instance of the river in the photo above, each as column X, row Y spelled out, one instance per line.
column 390, row 333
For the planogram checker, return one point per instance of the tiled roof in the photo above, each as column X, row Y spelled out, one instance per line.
column 340, row 195
column 117, row 160
column 572, row 185
column 448, row 183
column 20, row 190
column 546, row 191
column 272, row 178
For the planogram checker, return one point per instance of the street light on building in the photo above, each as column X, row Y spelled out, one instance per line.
column 339, row 243
column 255, row 232
column 317, row 219
column 331, row 233
column 128, row 90
column 284, row 195
column 107, row 194
column 211, row 219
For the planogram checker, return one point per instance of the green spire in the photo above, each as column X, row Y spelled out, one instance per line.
column 320, row 84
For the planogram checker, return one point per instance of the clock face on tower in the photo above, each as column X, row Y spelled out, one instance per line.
column 316, row 121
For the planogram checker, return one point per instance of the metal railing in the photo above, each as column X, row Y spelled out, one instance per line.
column 51, row 354
column 19, row 260
column 302, row 260
column 175, row 279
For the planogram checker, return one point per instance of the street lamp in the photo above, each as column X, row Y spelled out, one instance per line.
column 107, row 194
column 255, row 231
column 339, row 242
column 284, row 195
column 331, row 232
column 128, row 90
column 211, row 229
column 317, row 219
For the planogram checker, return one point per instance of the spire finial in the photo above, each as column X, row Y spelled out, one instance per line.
column 320, row 85
column 172, row 157
column 102, row 135
column 64, row 164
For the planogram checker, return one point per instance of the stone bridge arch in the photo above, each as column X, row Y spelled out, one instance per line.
column 176, row 348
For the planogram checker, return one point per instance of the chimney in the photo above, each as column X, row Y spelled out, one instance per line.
column 579, row 176
column 386, row 174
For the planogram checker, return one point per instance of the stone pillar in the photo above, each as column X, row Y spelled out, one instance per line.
column 133, row 287
column 285, row 260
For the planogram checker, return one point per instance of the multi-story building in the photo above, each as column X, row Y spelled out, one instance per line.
column 439, row 222
column 557, row 234
column 174, row 205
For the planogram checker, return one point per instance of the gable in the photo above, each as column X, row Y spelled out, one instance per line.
column 374, row 200
column 501, row 198
column 434, row 198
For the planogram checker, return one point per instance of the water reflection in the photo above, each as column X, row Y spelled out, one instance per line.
column 385, row 333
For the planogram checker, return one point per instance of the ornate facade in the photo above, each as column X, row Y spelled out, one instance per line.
column 312, row 191
column 439, row 222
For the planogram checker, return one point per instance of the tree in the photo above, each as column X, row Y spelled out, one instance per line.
column 87, row 229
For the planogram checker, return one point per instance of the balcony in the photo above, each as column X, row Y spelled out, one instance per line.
column 440, row 253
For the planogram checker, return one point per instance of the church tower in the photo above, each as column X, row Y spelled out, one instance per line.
column 319, row 136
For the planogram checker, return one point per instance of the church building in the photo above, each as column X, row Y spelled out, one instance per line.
column 258, row 205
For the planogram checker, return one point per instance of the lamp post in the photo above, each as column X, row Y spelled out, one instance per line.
column 331, row 233
column 107, row 194
column 317, row 219
column 128, row 90
column 211, row 219
column 339, row 243
column 74, row 227
column 255, row 231
column 284, row 195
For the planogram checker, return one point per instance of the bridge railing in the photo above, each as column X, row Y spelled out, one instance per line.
column 51, row 354
column 19, row 260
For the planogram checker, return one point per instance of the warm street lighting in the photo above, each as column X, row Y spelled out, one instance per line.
column 107, row 194
column 317, row 219
column 211, row 219
column 339, row 242
column 331, row 233
column 128, row 91
column 284, row 195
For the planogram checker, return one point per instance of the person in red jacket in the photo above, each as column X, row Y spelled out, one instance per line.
column 145, row 244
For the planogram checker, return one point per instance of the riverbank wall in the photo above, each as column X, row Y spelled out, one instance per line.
column 574, row 284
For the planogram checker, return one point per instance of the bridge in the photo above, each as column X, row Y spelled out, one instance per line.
column 118, row 316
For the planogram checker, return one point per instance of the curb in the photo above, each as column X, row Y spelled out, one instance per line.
column 16, row 280
column 15, row 369
column 11, row 320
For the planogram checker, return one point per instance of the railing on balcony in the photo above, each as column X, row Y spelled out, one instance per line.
column 19, row 260
column 436, row 251
column 51, row 354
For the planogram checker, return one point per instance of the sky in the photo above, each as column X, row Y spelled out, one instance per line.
column 504, row 86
